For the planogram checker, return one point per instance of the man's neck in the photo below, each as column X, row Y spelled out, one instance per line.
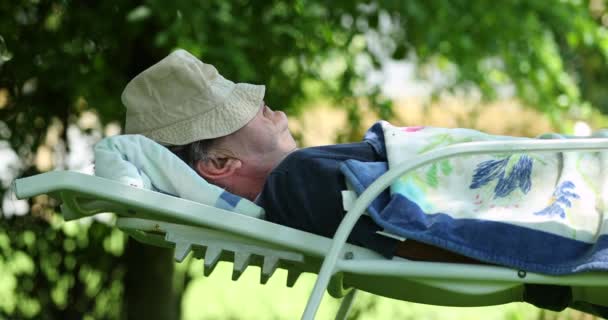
column 249, row 180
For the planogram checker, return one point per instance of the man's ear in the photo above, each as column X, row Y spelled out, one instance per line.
column 217, row 168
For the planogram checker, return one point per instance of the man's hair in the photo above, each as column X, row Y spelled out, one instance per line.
column 194, row 152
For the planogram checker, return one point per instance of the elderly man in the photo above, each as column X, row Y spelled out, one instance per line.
column 231, row 138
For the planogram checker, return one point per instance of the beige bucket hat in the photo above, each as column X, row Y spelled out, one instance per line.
column 181, row 100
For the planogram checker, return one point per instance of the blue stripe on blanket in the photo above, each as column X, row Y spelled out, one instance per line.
column 227, row 201
column 489, row 241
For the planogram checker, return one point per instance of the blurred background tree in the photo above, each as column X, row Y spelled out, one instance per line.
column 63, row 65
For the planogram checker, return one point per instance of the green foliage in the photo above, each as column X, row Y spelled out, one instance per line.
column 59, row 58
column 53, row 270
column 527, row 43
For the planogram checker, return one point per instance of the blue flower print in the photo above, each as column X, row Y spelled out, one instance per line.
column 490, row 170
column 561, row 197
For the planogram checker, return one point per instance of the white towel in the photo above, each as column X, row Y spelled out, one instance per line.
column 142, row 163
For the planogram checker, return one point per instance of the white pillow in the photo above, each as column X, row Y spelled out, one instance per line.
column 140, row 162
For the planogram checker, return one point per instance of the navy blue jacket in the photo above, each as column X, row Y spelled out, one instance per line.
column 304, row 192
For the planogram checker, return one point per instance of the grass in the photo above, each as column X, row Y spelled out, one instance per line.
column 218, row 297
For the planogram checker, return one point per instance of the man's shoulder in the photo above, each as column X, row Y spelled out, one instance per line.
column 306, row 185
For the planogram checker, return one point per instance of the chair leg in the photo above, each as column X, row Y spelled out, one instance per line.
column 314, row 301
column 346, row 304
column 328, row 268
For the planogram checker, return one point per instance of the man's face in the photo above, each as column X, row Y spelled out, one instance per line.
column 266, row 136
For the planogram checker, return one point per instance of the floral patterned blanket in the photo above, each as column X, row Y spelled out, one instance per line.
column 541, row 212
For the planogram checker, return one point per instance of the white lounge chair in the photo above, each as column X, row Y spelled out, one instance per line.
column 215, row 234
